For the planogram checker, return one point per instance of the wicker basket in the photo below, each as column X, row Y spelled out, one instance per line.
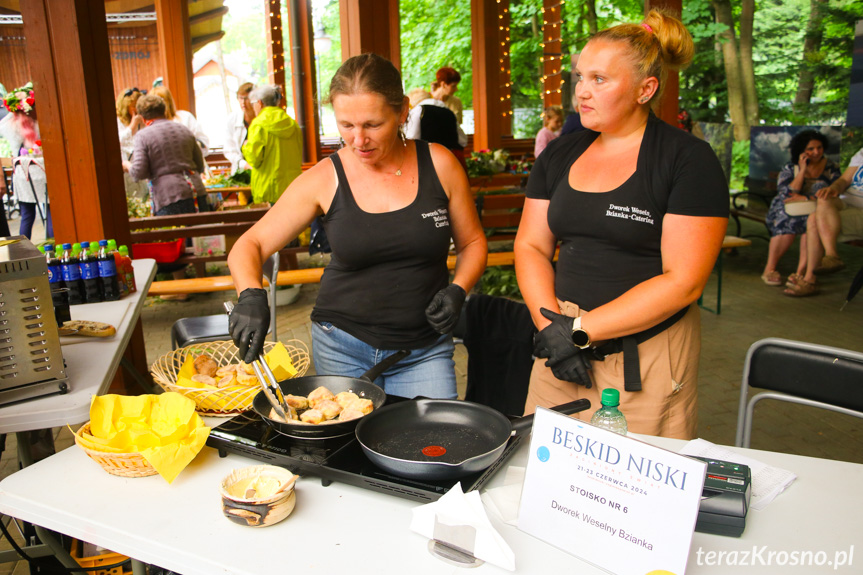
column 220, row 402
column 122, row 464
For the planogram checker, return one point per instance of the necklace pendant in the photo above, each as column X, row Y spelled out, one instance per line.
column 399, row 172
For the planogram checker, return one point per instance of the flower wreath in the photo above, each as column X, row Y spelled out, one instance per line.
column 20, row 99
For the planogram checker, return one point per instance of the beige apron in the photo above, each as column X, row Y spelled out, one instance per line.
column 668, row 403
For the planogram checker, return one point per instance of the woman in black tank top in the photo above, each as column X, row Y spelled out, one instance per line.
column 391, row 207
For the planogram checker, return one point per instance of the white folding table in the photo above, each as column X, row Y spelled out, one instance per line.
column 90, row 367
column 342, row 528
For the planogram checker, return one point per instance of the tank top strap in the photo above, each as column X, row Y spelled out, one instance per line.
column 425, row 167
column 340, row 171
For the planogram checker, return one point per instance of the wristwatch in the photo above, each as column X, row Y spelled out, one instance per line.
column 580, row 338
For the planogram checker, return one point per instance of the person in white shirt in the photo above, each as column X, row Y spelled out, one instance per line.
column 183, row 117
column 237, row 129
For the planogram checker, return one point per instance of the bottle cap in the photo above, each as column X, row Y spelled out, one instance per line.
column 124, row 251
column 85, row 245
column 103, row 242
column 49, row 248
column 67, row 246
column 112, row 244
column 41, row 249
column 610, row 397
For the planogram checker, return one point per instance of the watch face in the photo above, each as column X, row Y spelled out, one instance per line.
column 580, row 338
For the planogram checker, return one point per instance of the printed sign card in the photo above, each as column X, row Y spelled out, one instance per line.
column 621, row 504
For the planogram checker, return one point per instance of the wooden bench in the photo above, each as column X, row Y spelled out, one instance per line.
column 753, row 203
column 500, row 214
column 227, row 222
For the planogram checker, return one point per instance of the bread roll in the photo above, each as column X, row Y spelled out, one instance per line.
column 297, row 401
column 329, row 408
column 345, row 397
column 312, row 416
column 319, row 395
column 206, row 365
column 205, row 379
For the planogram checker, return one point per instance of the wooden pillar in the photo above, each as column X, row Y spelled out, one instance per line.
column 668, row 107
column 175, row 51
column 69, row 60
column 552, row 78
column 490, row 119
column 275, row 47
column 370, row 26
column 67, row 50
column 304, row 75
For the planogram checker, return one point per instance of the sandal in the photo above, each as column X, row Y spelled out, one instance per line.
column 795, row 279
column 830, row 264
column 800, row 288
column 772, row 278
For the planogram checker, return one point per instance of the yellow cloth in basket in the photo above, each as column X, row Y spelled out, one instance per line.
column 164, row 429
column 236, row 395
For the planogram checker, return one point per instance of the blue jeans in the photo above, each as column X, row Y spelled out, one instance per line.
column 28, row 217
column 429, row 371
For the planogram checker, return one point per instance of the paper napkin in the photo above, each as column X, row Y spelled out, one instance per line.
column 164, row 429
column 767, row 481
column 459, row 520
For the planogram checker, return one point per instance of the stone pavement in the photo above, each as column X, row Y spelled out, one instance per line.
column 750, row 311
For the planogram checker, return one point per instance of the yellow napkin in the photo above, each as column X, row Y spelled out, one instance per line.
column 235, row 396
column 164, row 429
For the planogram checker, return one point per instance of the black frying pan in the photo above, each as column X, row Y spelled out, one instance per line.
column 362, row 386
column 441, row 438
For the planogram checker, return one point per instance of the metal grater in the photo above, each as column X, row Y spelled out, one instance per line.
column 31, row 362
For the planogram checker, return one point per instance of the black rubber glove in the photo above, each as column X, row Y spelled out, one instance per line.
column 567, row 362
column 249, row 322
column 443, row 311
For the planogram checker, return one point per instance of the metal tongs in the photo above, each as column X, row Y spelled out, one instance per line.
column 271, row 388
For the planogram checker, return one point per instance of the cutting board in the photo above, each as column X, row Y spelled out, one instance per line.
column 111, row 312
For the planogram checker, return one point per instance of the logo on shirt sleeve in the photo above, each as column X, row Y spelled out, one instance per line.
column 632, row 213
column 440, row 217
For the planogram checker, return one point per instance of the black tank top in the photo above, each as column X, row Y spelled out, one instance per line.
column 386, row 267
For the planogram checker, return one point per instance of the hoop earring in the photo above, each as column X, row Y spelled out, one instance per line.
column 402, row 136
column 342, row 143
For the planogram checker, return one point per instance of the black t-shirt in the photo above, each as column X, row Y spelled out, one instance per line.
column 386, row 267
column 611, row 241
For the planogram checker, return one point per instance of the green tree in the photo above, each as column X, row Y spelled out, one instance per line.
column 436, row 34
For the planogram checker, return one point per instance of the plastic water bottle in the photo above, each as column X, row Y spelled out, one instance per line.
column 72, row 276
column 90, row 274
column 609, row 417
column 108, row 272
column 59, row 293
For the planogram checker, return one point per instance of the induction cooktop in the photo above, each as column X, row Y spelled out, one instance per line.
column 335, row 459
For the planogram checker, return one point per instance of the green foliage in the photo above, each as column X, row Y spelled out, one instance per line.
column 486, row 162
column 499, row 281
column 436, row 34
column 739, row 164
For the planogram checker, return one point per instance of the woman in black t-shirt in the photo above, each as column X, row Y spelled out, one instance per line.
column 640, row 209
column 390, row 206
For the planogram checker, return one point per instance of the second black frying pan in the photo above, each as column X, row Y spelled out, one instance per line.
column 441, row 438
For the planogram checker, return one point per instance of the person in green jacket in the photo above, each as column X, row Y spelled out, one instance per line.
column 274, row 147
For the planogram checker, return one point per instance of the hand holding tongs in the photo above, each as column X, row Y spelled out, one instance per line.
column 268, row 383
